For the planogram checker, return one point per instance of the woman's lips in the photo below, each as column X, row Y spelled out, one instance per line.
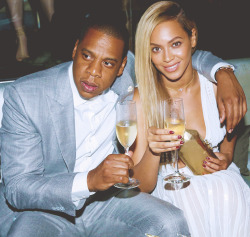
column 88, row 87
column 171, row 68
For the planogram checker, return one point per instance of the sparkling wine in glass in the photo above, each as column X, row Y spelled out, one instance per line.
column 174, row 120
column 126, row 131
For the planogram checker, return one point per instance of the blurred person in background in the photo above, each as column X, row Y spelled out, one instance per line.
column 16, row 11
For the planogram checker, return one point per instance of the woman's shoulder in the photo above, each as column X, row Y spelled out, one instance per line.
column 136, row 98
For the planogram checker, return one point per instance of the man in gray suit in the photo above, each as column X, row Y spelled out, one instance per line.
column 58, row 148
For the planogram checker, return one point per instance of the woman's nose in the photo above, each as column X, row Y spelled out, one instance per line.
column 168, row 55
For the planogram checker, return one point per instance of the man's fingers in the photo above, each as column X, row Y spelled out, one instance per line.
column 243, row 102
column 120, row 161
column 222, row 112
column 120, row 164
column 230, row 95
column 241, row 108
column 233, row 118
column 121, row 179
column 117, row 172
column 116, row 178
column 230, row 116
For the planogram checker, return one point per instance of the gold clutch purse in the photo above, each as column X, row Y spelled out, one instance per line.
column 194, row 151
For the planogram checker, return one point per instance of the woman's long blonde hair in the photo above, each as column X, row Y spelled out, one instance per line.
column 151, row 89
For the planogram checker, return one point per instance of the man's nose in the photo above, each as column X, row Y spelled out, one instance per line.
column 95, row 69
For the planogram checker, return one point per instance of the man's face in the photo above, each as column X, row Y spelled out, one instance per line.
column 97, row 61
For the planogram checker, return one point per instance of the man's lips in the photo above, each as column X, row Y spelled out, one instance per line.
column 172, row 68
column 88, row 87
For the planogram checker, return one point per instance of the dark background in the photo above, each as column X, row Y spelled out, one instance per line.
column 223, row 25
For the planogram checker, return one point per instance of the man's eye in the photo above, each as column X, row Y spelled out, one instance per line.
column 86, row 56
column 108, row 64
column 176, row 44
column 156, row 49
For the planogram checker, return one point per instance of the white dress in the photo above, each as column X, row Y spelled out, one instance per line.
column 218, row 204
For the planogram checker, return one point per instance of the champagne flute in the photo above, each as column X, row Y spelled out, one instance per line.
column 174, row 120
column 126, row 131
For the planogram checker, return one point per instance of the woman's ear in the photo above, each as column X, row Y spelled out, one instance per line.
column 194, row 38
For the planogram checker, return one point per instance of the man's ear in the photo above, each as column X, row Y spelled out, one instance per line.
column 124, row 61
column 194, row 38
column 74, row 50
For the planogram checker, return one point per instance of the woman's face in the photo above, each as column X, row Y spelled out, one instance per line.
column 171, row 49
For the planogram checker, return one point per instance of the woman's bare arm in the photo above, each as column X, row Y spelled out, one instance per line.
column 147, row 149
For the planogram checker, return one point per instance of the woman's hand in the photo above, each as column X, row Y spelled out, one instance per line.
column 212, row 164
column 162, row 140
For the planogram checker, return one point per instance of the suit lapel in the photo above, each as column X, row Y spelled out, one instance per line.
column 61, row 107
column 60, row 102
column 123, row 86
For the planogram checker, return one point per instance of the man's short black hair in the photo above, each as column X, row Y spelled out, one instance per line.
column 110, row 23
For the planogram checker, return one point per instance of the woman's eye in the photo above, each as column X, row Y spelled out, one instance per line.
column 176, row 44
column 156, row 49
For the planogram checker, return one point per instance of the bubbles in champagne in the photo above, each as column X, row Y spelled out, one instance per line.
column 126, row 132
column 176, row 125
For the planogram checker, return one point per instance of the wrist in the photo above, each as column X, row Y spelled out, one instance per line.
column 224, row 70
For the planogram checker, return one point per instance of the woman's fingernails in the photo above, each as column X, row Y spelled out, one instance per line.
column 181, row 142
column 230, row 130
column 179, row 136
column 208, row 158
column 177, row 147
column 171, row 132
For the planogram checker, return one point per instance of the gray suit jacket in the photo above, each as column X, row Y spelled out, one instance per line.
column 38, row 138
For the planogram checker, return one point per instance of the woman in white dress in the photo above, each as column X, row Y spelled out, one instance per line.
column 215, row 204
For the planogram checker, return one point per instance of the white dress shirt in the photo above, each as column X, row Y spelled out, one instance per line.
column 216, row 67
column 94, row 131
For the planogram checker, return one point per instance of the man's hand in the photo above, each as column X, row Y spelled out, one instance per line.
column 114, row 169
column 231, row 99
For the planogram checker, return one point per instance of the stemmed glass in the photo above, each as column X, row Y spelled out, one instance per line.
column 174, row 120
column 126, row 131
